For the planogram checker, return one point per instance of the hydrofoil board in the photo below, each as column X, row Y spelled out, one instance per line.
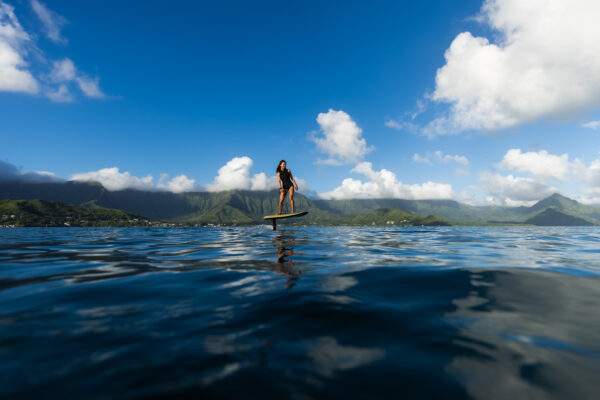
column 275, row 217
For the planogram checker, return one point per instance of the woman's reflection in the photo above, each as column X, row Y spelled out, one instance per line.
column 284, row 242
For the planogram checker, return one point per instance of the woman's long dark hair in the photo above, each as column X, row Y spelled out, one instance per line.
column 279, row 166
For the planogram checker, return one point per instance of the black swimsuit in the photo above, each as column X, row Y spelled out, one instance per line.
column 285, row 177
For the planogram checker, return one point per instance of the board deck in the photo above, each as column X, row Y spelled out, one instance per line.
column 281, row 216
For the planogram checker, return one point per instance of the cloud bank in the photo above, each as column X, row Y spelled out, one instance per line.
column 384, row 184
column 113, row 179
column 10, row 173
column 546, row 62
column 542, row 169
column 514, row 191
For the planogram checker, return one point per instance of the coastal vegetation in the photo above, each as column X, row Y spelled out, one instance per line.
column 15, row 213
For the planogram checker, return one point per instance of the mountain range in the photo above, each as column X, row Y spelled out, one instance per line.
column 248, row 207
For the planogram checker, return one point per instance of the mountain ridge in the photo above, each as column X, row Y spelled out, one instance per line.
column 245, row 207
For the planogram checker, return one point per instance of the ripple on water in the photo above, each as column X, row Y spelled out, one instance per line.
column 339, row 312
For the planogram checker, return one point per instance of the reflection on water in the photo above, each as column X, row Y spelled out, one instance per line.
column 447, row 312
column 284, row 243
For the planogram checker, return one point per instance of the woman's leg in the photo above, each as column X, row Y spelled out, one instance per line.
column 282, row 194
column 281, row 198
column 292, row 198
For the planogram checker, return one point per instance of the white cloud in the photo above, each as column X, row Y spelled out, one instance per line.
column 233, row 175
column 236, row 175
column 402, row 125
column 545, row 63
column 90, row 87
column 341, row 138
column 589, row 196
column 64, row 72
column 544, row 166
column 514, row 191
column 51, row 21
column 384, row 184
column 261, row 181
column 16, row 44
column 60, row 95
column 592, row 173
column 592, row 125
column 540, row 164
column 14, row 75
column 438, row 156
column 178, row 184
column 424, row 160
column 112, row 179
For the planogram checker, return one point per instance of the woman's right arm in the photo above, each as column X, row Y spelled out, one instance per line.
column 279, row 181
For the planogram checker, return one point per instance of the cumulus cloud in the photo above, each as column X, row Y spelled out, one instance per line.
column 592, row 125
column 14, row 74
column 542, row 168
column 51, row 21
column 179, row 184
column 10, row 173
column 545, row 166
column 236, row 175
column 514, row 191
column 340, row 137
column 540, row 164
column 545, row 63
column 438, row 156
column 384, row 184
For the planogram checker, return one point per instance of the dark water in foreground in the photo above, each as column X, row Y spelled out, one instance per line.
column 488, row 313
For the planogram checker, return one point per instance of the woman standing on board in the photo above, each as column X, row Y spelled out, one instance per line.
column 285, row 180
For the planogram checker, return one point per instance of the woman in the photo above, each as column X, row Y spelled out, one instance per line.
column 285, row 180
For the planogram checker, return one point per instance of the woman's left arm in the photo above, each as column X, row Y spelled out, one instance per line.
column 293, row 180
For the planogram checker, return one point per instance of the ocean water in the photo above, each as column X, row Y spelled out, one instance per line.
column 300, row 313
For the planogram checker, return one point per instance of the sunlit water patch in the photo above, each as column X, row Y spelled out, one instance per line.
column 450, row 312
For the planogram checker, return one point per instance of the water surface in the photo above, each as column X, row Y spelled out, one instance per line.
column 309, row 312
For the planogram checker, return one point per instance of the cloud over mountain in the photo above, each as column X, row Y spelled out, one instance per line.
column 113, row 179
column 9, row 172
column 384, row 184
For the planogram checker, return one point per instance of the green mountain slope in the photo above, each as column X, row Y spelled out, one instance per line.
column 551, row 216
column 43, row 213
column 244, row 207
column 386, row 216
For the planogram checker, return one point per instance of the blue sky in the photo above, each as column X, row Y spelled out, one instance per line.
column 491, row 102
